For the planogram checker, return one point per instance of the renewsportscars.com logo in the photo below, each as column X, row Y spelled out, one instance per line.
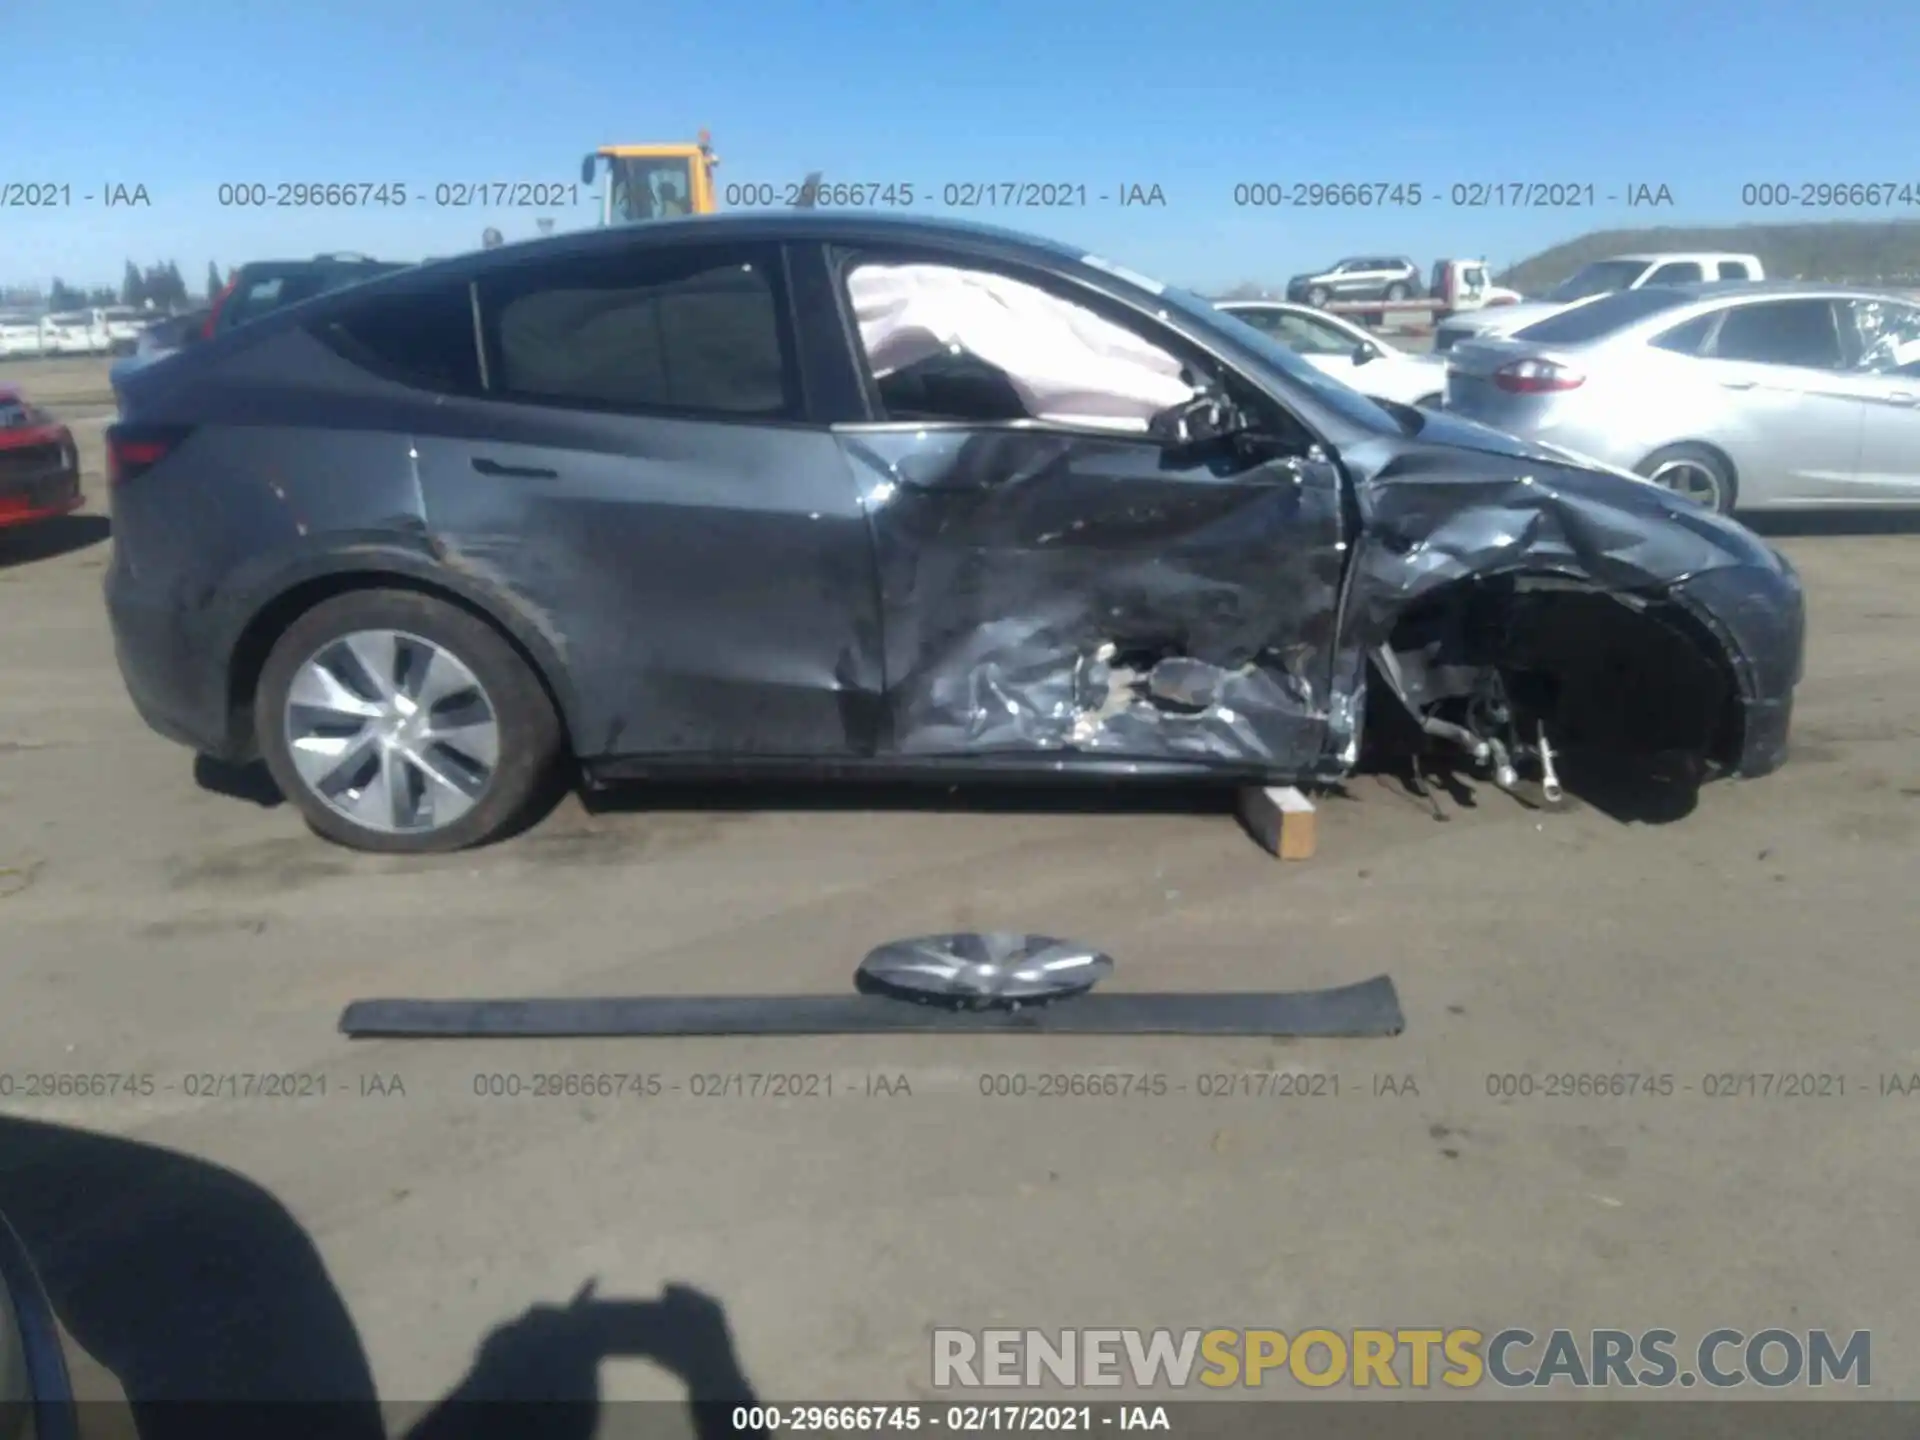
column 1417, row 1359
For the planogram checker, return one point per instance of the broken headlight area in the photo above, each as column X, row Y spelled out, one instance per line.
column 1513, row 672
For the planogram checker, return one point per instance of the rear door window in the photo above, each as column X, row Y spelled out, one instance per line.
column 1677, row 272
column 1781, row 332
column 1734, row 270
column 693, row 330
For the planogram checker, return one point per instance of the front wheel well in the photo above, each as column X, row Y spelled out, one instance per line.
column 1604, row 670
column 263, row 632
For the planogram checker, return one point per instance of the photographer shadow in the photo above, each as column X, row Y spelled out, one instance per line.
column 212, row 1311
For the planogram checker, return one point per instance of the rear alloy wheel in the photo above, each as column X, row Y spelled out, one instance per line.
column 1695, row 472
column 1317, row 298
column 400, row 723
column 1396, row 292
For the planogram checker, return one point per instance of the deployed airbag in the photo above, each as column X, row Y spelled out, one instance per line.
column 1067, row 364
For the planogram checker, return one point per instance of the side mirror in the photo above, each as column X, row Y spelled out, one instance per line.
column 33, row 1369
column 587, row 167
column 1365, row 353
column 1208, row 416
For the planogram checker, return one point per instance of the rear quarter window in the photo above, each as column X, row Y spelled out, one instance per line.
column 1600, row 317
column 424, row 339
column 1688, row 337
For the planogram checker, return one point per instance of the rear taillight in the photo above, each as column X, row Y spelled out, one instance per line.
column 132, row 450
column 213, row 313
column 1536, row 377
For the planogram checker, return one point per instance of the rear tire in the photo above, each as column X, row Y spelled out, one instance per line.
column 1700, row 474
column 1396, row 291
column 485, row 767
column 1317, row 298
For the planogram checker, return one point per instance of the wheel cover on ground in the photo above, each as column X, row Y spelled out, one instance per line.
column 391, row 731
column 1694, row 479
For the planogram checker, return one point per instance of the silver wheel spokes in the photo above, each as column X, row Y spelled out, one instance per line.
column 392, row 731
column 1691, row 479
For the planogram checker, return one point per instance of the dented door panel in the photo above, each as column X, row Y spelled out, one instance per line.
column 709, row 587
column 1032, row 580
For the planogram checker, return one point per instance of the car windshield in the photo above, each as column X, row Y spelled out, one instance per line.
column 1603, row 277
column 1602, row 317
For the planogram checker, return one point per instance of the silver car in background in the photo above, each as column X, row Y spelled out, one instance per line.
column 1768, row 396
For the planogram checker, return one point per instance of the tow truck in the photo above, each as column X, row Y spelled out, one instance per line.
column 1458, row 286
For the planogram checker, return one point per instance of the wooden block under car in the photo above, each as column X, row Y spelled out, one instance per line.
column 1280, row 818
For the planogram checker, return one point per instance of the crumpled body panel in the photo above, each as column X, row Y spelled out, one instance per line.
column 1431, row 517
column 1032, row 582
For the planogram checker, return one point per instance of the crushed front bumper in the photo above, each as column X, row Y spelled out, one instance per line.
column 1759, row 615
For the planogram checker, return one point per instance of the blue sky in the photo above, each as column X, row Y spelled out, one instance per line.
column 1697, row 95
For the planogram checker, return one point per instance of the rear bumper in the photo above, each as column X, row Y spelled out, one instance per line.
column 30, row 499
column 170, row 673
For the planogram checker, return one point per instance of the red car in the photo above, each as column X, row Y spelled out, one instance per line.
column 39, row 464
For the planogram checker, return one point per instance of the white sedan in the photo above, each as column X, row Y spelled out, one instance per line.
column 1346, row 352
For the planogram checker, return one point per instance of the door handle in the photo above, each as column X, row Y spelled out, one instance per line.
column 519, row 472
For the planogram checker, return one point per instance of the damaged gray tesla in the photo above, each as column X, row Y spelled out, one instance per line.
column 839, row 495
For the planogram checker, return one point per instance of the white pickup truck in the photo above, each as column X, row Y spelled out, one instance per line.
column 1602, row 277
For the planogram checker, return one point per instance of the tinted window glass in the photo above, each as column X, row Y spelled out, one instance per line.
column 1688, row 338
column 1733, row 270
column 1600, row 317
column 1679, row 272
column 1783, row 332
column 424, row 339
column 650, row 329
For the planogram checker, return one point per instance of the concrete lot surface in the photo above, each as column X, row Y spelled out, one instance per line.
column 156, row 927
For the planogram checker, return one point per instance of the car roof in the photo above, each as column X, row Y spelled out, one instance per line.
column 774, row 225
column 846, row 227
column 1648, row 256
column 1783, row 289
column 10, row 391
